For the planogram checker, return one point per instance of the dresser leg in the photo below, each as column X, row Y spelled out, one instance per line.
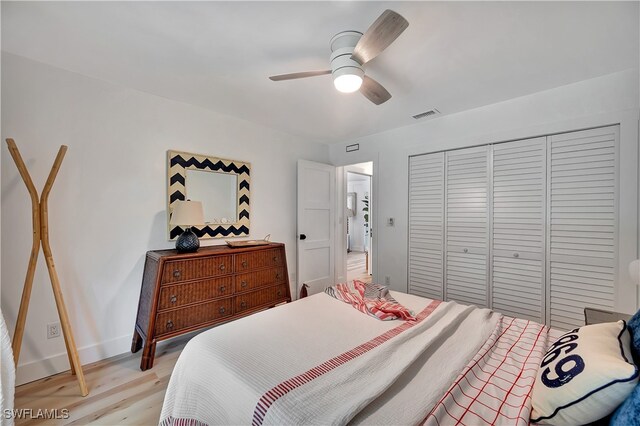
column 148, row 353
column 136, row 343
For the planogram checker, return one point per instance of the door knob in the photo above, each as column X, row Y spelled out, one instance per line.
column 303, row 237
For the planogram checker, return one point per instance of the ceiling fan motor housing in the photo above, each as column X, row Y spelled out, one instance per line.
column 342, row 45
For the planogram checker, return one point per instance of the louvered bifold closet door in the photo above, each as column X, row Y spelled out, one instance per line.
column 426, row 225
column 582, row 243
column 466, row 218
column 519, row 187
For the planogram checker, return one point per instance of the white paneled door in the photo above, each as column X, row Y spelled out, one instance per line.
column 518, row 229
column 316, row 213
column 426, row 221
column 583, row 237
column 467, row 226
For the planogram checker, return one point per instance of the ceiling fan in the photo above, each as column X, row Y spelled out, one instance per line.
column 350, row 50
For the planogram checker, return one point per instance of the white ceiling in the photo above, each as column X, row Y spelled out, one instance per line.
column 454, row 55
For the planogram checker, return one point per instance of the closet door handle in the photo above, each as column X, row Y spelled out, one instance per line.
column 303, row 237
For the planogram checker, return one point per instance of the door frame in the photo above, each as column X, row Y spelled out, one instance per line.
column 340, row 220
column 346, row 182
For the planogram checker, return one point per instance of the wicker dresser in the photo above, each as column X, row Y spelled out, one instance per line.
column 185, row 292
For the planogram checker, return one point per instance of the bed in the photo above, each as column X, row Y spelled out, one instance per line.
column 318, row 361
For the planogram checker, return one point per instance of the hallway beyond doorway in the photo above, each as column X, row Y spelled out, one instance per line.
column 357, row 267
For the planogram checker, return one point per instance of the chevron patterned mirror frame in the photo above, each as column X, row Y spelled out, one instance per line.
column 177, row 165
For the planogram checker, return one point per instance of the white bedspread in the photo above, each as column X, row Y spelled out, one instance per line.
column 321, row 361
column 7, row 374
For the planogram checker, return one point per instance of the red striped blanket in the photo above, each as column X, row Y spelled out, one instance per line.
column 495, row 387
column 372, row 299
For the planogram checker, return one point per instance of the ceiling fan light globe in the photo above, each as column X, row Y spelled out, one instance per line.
column 347, row 83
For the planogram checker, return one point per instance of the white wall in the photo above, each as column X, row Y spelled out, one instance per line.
column 600, row 101
column 107, row 207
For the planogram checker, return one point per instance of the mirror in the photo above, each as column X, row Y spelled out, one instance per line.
column 221, row 185
column 217, row 192
column 351, row 204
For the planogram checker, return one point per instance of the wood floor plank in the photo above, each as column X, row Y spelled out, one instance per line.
column 119, row 392
column 356, row 267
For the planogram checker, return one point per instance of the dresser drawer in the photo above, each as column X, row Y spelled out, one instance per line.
column 265, row 277
column 189, row 269
column 271, row 295
column 258, row 259
column 172, row 321
column 183, row 294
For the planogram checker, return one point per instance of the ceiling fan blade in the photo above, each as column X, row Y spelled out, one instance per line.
column 379, row 36
column 374, row 91
column 298, row 75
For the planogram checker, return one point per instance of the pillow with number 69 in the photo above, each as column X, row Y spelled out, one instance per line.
column 584, row 375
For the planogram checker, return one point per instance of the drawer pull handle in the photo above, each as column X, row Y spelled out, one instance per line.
column 244, row 263
column 169, row 325
column 177, row 273
column 466, row 250
column 222, row 289
column 243, row 284
column 279, row 292
column 243, row 304
column 516, row 255
column 277, row 275
column 275, row 258
column 222, row 309
column 222, row 267
column 173, row 298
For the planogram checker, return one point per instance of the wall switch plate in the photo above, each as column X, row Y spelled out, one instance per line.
column 387, row 280
column 391, row 221
column 53, row 330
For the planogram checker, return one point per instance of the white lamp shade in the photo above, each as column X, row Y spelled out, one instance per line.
column 187, row 213
column 634, row 271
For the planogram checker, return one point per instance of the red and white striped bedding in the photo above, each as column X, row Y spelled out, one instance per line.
column 371, row 299
column 320, row 361
column 495, row 387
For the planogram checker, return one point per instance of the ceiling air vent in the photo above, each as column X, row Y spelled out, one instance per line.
column 426, row 114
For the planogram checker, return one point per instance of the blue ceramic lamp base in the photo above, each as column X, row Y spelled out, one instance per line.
column 187, row 242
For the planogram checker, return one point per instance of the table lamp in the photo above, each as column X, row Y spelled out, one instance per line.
column 187, row 214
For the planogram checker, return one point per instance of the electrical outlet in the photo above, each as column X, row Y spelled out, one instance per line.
column 387, row 280
column 53, row 330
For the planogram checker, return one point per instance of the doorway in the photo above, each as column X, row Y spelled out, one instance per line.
column 359, row 209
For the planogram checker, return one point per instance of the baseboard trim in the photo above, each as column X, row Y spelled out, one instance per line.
column 58, row 363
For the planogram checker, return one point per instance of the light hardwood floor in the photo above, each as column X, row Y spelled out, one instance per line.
column 356, row 267
column 119, row 393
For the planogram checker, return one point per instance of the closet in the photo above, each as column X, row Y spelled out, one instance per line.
column 527, row 228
